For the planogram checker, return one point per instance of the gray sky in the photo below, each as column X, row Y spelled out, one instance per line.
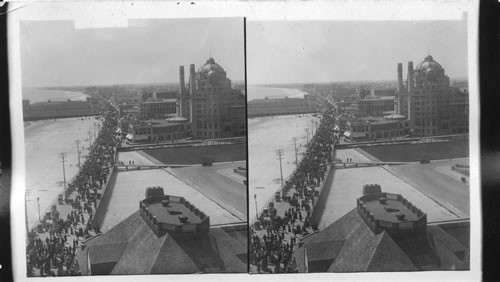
column 53, row 53
column 323, row 51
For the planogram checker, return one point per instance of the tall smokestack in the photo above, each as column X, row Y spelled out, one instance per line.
column 410, row 76
column 191, row 79
column 180, row 111
column 181, row 79
column 411, row 109
column 400, row 77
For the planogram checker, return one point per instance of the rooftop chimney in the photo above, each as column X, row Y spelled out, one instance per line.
column 410, row 77
column 400, row 77
column 411, row 110
column 181, row 80
column 191, row 79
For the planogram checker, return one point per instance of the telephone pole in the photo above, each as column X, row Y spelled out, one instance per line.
column 63, row 156
column 78, row 151
column 256, row 210
column 90, row 140
column 279, row 153
column 38, row 202
column 294, row 139
column 307, row 135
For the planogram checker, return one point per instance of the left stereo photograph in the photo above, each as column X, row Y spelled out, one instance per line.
column 136, row 147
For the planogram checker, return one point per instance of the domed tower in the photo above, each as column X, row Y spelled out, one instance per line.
column 430, row 72
column 434, row 108
column 212, row 74
column 214, row 108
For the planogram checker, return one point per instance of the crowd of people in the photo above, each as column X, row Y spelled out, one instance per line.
column 53, row 244
column 275, row 235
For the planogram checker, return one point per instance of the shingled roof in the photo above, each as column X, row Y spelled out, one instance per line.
column 131, row 247
column 349, row 245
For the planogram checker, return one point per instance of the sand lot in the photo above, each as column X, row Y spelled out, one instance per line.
column 265, row 136
column 347, row 187
column 44, row 141
column 439, row 182
column 130, row 187
column 218, row 183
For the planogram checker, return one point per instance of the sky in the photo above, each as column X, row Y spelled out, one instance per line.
column 54, row 53
column 328, row 51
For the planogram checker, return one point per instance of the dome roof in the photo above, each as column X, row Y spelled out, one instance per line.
column 429, row 68
column 211, row 67
column 428, row 64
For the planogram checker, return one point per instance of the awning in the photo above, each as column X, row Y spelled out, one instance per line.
column 129, row 136
column 347, row 133
column 358, row 134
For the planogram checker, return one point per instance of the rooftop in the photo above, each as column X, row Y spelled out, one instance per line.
column 116, row 252
column 349, row 245
column 384, row 122
column 373, row 97
column 389, row 210
column 172, row 213
column 153, row 100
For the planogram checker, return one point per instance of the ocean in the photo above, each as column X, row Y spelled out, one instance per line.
column 266, row 135
column 259, row 92
column 43, row 95
column 43, row 141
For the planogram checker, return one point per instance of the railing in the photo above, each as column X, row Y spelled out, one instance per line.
column 416, row 140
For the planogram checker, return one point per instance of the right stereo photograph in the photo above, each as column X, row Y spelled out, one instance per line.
column 358, row 145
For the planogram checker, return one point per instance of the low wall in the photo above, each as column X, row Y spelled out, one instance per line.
column 102, row 208
column 322, row 198
column 270, row 114
column 320, row 205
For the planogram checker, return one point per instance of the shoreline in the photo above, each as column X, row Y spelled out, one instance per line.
column 42, row 182
column 36, row 95
column 272, row 92
column 264, row 138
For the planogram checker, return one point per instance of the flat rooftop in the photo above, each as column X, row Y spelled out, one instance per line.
column 170, row 214
column 389, row 210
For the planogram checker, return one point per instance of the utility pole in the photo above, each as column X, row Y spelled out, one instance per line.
column 78, row 151
column 307, row 135
column 294, row 139
column 90, row 140
column 256, row 210
column 38, row 202
column 312, row 128
column 279, row 153
column 63, row 156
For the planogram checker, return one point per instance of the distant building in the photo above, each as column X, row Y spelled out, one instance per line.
column 282, row 106
column 165, row 95
column 157, row 108
column 215, row 109
column 164, row 130
column 372, row 105
column 394, row 126
column 167, row 234
column 384, row 92
column 432, row 106
column 57, row 109
column 385, row 232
